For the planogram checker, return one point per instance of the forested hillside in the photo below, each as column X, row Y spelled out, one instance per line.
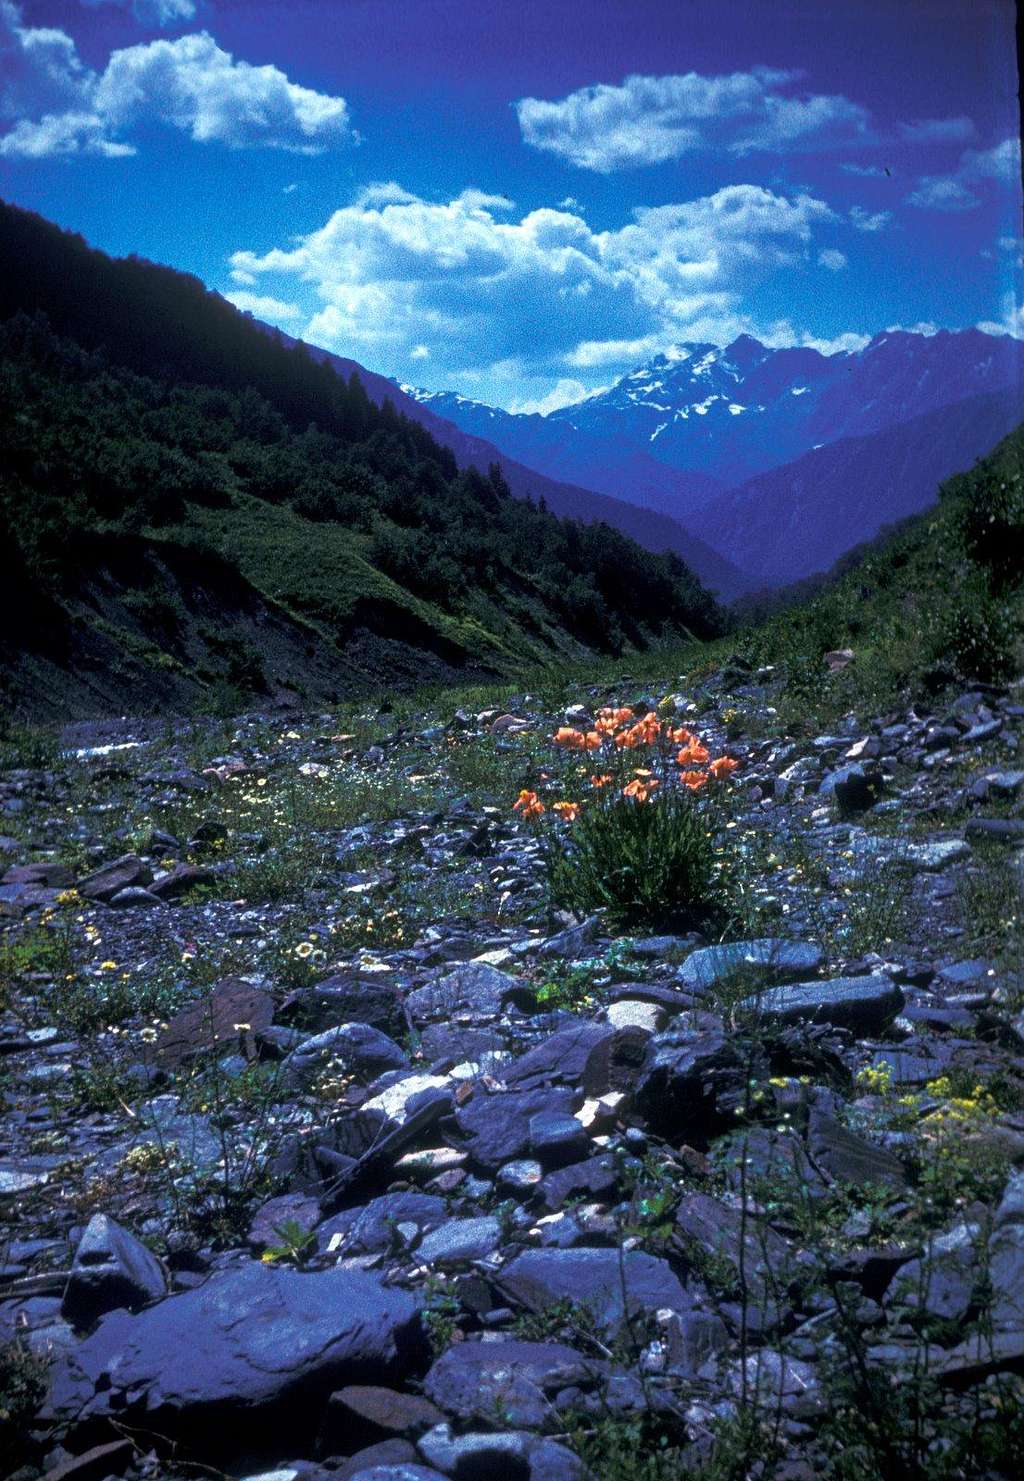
column 188, row 504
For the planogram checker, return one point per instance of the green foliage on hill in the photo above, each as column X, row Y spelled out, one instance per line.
column 937, row 602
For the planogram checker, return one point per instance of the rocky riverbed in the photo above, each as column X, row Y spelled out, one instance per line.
column 331, row 1150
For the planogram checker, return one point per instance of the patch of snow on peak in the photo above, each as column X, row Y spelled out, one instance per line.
column 659, row 428
column 705, row 362
column 798, row 390
column 736, row 408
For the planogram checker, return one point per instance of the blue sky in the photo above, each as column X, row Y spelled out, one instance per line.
column 523, row 199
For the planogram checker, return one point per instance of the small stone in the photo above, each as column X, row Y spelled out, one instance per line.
column 557, row 1139
column 629, row 1013
column 855, row 787
column 460, row 1241
column 364, row 1414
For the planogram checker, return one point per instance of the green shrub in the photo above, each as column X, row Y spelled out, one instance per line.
column 978, row 635
column 23, row 1385
column 992, row 524
column 646, row 864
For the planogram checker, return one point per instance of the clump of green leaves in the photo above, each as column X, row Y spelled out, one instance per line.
column 440, row 1314
column 296, row 1245
column 569, row 986
column 650, row 864
column 43, row 949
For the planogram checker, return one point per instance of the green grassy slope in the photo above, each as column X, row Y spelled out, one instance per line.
column 937, row 602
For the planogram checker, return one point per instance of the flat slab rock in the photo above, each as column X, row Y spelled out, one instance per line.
column 580, row 1055
column 231, row 1013
column 863, row 1004
column 603, row 1281
column 495, row 1129
column 224, row 1364
column 474, row 988
column 120, row 874
column 777, row 960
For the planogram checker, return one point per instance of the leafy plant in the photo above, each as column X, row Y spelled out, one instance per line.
column 650, row 866
column 297, row 1244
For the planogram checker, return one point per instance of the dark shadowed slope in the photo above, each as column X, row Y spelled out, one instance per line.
column 798, row 519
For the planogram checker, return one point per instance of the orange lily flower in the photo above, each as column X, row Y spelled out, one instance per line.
column 681, row 736
column 567, row 736
column 529, row 804
column 722, row 766
column 592, row 741
column 569, row 811
column 601, row 781
column 693, row 755
column 693, row 779
column 639, row 790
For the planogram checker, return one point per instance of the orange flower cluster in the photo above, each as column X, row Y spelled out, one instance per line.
column 620, row 726
column 644, row 733
column 577, row 740
column 693, row 754
column 610, row 719
column 723, row 766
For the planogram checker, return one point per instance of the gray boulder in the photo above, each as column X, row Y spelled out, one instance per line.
column 610, row 1285
column 460, row 1240
column 862, row 1004
column 690, row 1083
column 363, row 1051
column 473, row 987
column 111, row 1269
column 243, row 1362
column 495, row 1129
column 473, row 1381
column 772, row 958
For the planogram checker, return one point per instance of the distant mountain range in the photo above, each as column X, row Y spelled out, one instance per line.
column 716, row 438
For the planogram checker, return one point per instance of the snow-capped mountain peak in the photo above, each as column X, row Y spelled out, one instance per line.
column 728, row 413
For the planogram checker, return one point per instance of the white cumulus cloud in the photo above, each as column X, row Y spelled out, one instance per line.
column 869, row 220
column 833, row 259
column 534, row 296
column 58, row 106
column 957, row 191
column 649, row 120
column 151, row 12
column 262, row 306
